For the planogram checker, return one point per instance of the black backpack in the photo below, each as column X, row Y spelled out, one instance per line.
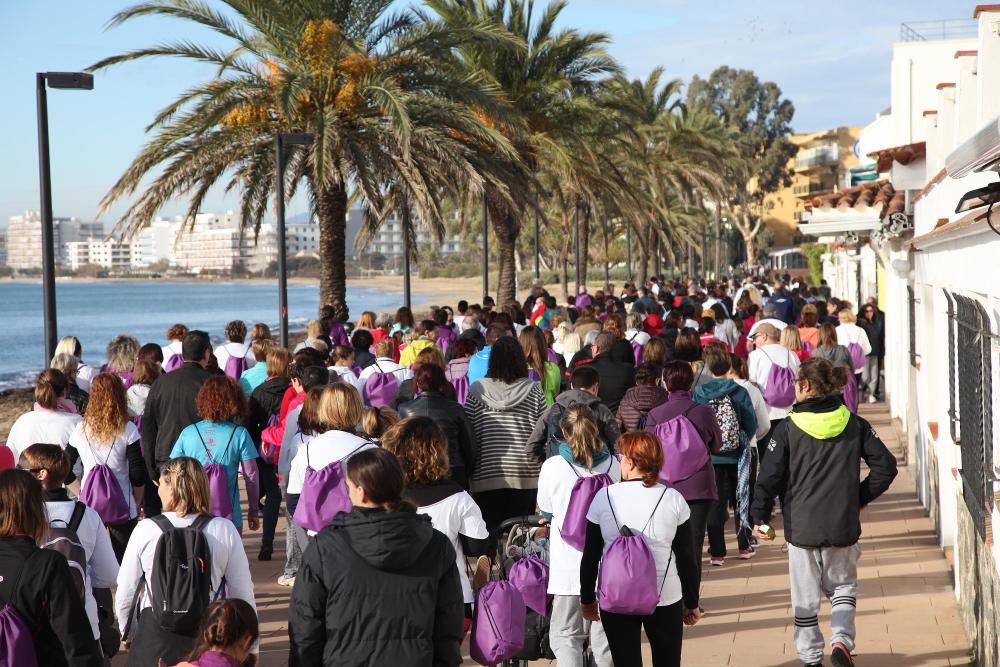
column 180, row 584
column 65, row 540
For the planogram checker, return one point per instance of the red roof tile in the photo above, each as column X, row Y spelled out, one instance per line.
column 901, row 154
column 945, row 85
column 875, row 194
column 966, row 52
column 984, row 8
column 930, row 112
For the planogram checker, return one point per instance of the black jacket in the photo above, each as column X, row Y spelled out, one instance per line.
column 377, row 588
column 812, row 463
column 616, row 378
column 170, row 408
column 622, row 351
column 48, row 602
column 450, row 416
column 264, row 402
column 875, row 329
column 536, row 445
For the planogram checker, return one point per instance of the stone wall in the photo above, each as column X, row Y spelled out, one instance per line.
column 979, row 590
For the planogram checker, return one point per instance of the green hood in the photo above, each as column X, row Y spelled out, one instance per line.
column 822, row 425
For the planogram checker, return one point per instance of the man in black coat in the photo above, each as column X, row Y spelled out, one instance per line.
column 170, row 408
column 616, row 377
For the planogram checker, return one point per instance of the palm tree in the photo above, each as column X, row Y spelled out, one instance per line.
column 548, row 83
column 379, row 92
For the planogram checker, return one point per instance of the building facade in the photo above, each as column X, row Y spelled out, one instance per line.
column 24, row 235
column 110, row 254
column 389, row 241
column 936, row 274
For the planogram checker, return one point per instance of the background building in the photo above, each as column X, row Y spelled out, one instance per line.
column 110, row 254
column 24, row 235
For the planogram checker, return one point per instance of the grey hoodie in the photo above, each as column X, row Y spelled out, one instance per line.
column 536, row 445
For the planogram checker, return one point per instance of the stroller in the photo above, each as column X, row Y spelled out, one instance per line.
column 516, row 538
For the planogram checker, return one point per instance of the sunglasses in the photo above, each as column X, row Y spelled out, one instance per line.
column 33, row 471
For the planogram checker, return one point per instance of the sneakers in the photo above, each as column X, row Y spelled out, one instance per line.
column 285, row 580
column 840, row 656
column 747, row 554
column 872, row 399
column 481, row 573
column 265, row 553
column 716, row 561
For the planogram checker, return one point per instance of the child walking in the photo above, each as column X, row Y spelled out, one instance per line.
column 812, row 464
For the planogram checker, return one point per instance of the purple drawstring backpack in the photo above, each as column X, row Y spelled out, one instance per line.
column 173, row 363
column 552, row 356
column 637, row 353
column 780, row 389
column 446, row 337
column 684, row 450
column 530, row 576
column 324, row 493
column 574, row 524
column 268, row 454
column 626, row 583
column 102, row 493
column 380, row 388
column 220, row 500
column 235, row 367
column 533, row 375
column 461, row 385
column 850, row 393
column 338, row 334
column 857, row 355
column 15, row 637
column 498, row 623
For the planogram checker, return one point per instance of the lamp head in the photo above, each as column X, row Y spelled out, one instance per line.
column 75, row 80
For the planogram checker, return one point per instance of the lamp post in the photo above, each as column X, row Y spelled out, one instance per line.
column 538, row 268
column 407, row 295
column 280, row 141
column 581, row 206
column 628, row 252
column 486, row 252
column 58, row 80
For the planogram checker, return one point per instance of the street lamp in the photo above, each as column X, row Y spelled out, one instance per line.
column 280, row 141
column 59, row 80
column 486, row 252
column 584, row 207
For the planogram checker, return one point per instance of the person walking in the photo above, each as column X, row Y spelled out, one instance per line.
column 171, row 407
column 184, row 496
column 378, row 585
column 422, row 451
column 106, row 437
column 813, row 467
column 641, row 399
column 644, row 505
column 873, row 323
column 70, row 366
column 174, row 347
column 616, row 377
column 698, row 488
column 228, row 633
column 37, row 583
column 433, row 401
column 51, row 420
column 502, row 409
column 768, row 352
column 219, row 438
column 582, row 454
column 540, row 369
column 235, row 355
column 734, row 411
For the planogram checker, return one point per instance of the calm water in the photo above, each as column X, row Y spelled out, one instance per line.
column 94, row 312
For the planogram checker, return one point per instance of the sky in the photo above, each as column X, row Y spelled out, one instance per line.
column 831, row 60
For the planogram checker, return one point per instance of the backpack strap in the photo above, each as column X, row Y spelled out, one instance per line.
column 162, row 522
column 655, row 507
column 232, row 434
column 201, row 521
column 573, row 468
column 356, row 450
column 207, row 453
column 77, row 517
column 611, row 506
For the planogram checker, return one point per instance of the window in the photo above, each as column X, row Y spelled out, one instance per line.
column 974, row 337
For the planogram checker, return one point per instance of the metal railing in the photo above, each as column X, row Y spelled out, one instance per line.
column 814, row 157
column 921, row 31
column 811, row 187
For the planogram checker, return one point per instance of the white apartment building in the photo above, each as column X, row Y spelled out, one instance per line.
column 3, row 247
column 110, row 254
column 24, row 235
column 936, row 274
column 215, row 243
column 389, row 240
column 155, row 243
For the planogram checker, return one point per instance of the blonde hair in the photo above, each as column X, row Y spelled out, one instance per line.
column 122, row 353
column 429, row 355
column 634, row 321
column 790, row 337
column 366, row 321
column 107, row 410
column 69, row 345
column 190, row 486
column 260, row 332
column 314, row 329
column 847, row 316
column 579, row 427
column 571, row 343
column 67, row 363
column 340, row 408
column 375, row 422
column 260, row 348
column 615, row 326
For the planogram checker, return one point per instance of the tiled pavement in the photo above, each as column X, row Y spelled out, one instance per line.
column 907, row 616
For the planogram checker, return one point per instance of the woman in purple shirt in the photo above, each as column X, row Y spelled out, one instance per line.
column 698, row 489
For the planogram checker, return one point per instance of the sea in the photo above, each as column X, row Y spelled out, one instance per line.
column 96, row 311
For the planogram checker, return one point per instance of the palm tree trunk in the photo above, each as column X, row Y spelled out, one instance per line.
column 506, row 229
column 331, row 215
column 584, row 245
column 643, row 260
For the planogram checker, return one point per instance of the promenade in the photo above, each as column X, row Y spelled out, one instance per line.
column 907, row 615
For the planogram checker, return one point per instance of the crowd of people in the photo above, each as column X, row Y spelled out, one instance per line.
column 629, row 424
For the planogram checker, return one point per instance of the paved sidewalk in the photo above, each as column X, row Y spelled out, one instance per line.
column 907, row 616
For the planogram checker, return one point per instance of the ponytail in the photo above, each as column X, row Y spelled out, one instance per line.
column 50, row 387
column 378, row 472
column 227, row 623
column 579, row 427
column 824, row 378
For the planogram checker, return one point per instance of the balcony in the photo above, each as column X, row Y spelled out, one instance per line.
column 818, row 156
column 811, row 188
column 922, row 31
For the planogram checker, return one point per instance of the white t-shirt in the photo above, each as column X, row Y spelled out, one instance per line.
column 48, row 426
column 291, row 440
column 321, row 451
column 759, row 408
column 384, row 365
column 136, row 396
column 759, row 363
column 634, row 505
column 171, row 349
column 555, row 486
column 637, row 336
column 229, row 560
column 93, row 453
column 852, row 333
column 346, row 375
column 458, row 514
column 223, row 352
column 85, row 374
column 102, row 566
